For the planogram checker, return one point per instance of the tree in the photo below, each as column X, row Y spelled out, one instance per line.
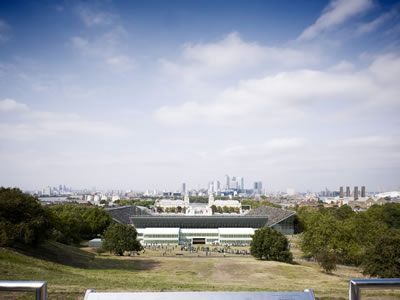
column 270, row 244
column 118, row 238
column 77, row 223
column 383, row 259
column 327, row 259
column 322, row 229
column 23, row 219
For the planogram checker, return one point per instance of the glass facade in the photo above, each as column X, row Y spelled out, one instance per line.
column 235, row 236
column 286, row 226
column 198, row 234
column 165, row 236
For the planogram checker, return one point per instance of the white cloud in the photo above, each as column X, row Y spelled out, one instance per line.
column 8, row 105
column 289, row 96
column 337, row 12
column 92, row 17
column 343, row 66
column 373, row 25
column 271, row 147
column 105, row 45
column 30, row 125
column 105, row 49
column 232, row 55
column 121, row 63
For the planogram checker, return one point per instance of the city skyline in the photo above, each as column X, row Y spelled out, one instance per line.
column 144, row 95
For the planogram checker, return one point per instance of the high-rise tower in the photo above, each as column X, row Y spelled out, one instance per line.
column 363, row 191
column 355, row 193
column 227, row 182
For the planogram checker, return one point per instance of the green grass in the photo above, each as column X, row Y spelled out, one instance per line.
column 70, row 271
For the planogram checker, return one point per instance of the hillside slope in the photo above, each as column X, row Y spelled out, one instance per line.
column 70, row 271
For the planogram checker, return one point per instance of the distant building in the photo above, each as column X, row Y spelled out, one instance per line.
column 227, row 182
column 363, row 191
column 290, row 191
column 183, row 188
column 257, row 187
column 355, row 194
column 47, row 191
column 241, row 183
column 348, row 191
column 341, row 192
column 222, row 230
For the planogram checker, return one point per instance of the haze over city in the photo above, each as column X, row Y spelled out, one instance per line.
column 146, row 95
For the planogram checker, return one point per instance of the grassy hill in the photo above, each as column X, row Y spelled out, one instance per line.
column 70, row 271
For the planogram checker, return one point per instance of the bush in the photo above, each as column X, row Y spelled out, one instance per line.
column 118, row 238
column 383, row 259
column 77, row 223
column 23, row 219
column 327, row 259
column 270, row 244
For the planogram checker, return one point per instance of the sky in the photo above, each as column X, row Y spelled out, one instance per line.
column 150, row 94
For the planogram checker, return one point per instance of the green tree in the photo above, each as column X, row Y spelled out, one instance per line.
column 344, row 212
column 327, row 259
column 77, row 223
column 213, row 208
column 118, row 238
column 383, row 259
column 270, row 244
column 23, row 219
column 389, row 213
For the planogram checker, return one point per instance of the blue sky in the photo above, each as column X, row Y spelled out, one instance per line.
column 149, row 94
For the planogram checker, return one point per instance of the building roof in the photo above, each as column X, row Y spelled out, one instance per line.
column 122, row 214
column 274, row 215
column 199, row 221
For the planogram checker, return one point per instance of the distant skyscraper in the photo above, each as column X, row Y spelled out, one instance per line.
column 341, row 192
column 183, row 188
column 355, row 193
column 348, row 191
column 234, row 184
column 363, row 191
column 227, row 182
column 242, row 183
column 257, row 187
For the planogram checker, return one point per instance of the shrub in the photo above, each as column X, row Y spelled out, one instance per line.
column 327, row 259
column 270, row 244
column 23, row 219
column 118, row 238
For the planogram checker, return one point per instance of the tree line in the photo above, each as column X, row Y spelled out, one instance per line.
column 25, row 222
column 368, row 239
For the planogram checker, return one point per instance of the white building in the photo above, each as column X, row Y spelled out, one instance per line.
column 181, row 236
